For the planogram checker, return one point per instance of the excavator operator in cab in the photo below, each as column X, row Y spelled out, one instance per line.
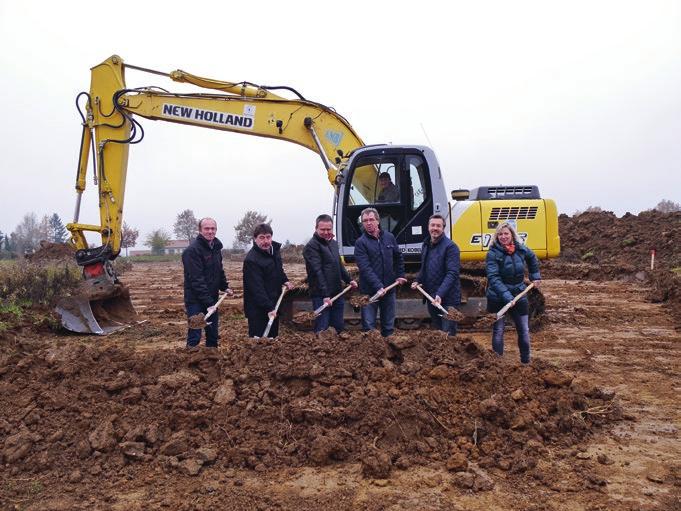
column 389, row 192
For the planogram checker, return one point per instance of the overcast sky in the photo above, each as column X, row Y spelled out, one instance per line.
column 582, row 98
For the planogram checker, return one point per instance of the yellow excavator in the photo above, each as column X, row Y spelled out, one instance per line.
column 110, row 126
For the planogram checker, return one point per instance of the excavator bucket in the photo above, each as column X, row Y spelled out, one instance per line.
column 100, row 308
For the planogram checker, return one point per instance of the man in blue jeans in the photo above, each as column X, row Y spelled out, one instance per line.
column 204, row 278
column 439, row 275
column 326, row 275
column 380, row 264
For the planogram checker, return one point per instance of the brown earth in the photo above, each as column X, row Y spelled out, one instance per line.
column 53, row 252
column 420, row 421
column 135, row 421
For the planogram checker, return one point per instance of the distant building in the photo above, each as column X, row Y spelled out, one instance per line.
column 172, row 247
column 175, row 246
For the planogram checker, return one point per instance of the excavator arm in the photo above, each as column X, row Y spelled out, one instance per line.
column 110, row 127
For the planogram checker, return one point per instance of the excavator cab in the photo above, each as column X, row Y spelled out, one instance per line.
column 401, row 183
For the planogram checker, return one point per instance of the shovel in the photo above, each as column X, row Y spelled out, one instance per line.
column 446, row 314
column 378, row 296
column 276, row 308
column 199, row 320
column 510, row 304
column 319, row 310
column 305, row 318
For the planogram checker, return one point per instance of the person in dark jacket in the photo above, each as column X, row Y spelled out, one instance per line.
column 204, row 278
column 380, row 264
column 505, row 265
column 326, row 275
column 439, row 275
column 264, row 279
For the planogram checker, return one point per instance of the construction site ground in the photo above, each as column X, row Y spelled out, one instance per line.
column 135, row 421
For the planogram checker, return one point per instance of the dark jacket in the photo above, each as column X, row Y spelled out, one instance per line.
column 204, row 275
column 506, row 273
column 379, row 260
column 263, row 277
column 439, row 275
column 325, row 272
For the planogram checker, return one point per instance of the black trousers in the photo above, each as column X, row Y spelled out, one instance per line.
column 257, row 322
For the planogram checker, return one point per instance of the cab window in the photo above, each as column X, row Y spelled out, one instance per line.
column 375, row 181
column 417, row 181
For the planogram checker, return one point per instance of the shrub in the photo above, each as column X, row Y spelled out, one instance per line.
column 26, row 284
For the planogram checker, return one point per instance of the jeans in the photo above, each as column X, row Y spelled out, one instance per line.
column 194, row 334
column 440, row 323
column 387, row 307
column 522, row 328
column 331, row 316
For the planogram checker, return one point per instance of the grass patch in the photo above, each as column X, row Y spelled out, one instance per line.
column 29, row 291
column 677, row 270
column 166, row 258
column 26, row 284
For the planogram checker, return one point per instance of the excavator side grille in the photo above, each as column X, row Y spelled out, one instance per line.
column 499, row 192
column 513, row 213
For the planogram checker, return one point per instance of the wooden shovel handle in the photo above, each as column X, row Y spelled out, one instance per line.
column 215, row 307
column 431, row 299
column 319, row 309
column 385, row 291
column 281, row 296
column 510, row 304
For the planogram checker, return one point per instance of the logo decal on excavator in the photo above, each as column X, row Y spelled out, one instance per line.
column 334, row 137
column 486, row 239
column 201, row 116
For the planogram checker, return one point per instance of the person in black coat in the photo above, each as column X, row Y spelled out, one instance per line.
column 326, row 275
column 439, row 275
column 264, row 278
column 204, row 278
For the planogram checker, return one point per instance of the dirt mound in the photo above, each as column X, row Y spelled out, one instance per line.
column 50, row 252
column 602, row 238
column 299, row 401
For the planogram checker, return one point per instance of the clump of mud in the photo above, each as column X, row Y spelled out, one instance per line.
column 411, row 399
column 303, row 319
column 358, row 301
column 197, row 321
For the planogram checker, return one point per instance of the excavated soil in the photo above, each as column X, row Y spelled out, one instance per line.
column 418, row 421
column 50, row 252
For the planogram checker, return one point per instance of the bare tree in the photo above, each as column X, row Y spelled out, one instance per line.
column 244, row 229
column 27, row 235
column 667, row 206
column 157, row 241
column 129, row 237
column 186, row 225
